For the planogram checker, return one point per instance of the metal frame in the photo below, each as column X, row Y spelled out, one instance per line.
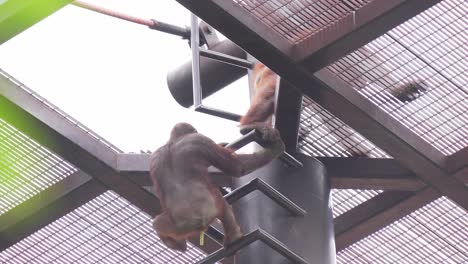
column 197, row 88
column 447, row 175
column 297, row 64
column 344, row 173
column 335, row 95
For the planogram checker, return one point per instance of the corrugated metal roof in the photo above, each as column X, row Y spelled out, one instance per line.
column 436, row 233
column 108, row 229
column 26, row 168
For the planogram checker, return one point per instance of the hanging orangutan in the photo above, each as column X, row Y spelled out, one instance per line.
column 190, row 201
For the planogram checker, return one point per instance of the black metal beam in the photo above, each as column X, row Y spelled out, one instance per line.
column 370, row 173
column 52, row 131
column 458, row 160
column 355, row 30
column 368, row 209
column 288, row 114
column 136, row 168
column 344, row 173
column 377, row 213
column 334, row 95
column 47, row 206
column 364, row 219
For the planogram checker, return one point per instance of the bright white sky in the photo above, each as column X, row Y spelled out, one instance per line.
column 110, row 74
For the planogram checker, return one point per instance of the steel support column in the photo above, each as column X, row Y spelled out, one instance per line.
column 288, row 114
column 310, row 236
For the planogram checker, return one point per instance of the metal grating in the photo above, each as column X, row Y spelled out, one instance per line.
column 344, row 200
column 429, row 48
column 52, row 107
column 26, row 168
column 323, row 135
column 108, row 229
column 298, row 20
column 436, row 233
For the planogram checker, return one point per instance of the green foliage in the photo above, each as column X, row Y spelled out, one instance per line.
column 18, row 15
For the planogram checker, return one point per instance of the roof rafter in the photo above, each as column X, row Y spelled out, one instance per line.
column 370, row 173
column 378, row 212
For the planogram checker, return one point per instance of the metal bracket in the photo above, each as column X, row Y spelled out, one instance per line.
column 248, row 239
column 268, row 190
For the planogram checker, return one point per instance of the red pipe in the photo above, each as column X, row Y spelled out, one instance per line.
column 105, row 11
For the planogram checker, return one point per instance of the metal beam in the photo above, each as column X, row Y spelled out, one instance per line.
column 370, row 173
column 334, row 95
column 136, row 168
column 39, row 120
column 368, row 209
column 354, row 30
column 288, row 114
column 53, row 131
column 382, row 210
column 462, row 175
column 458, row 160
column 47, row 206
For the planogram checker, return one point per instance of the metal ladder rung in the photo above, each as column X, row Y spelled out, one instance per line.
column 268, row 190
column 248, row 239
column 225, row 58
column 216, row 112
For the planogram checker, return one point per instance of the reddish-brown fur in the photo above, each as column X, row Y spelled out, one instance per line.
column 263, row 102
column 190, row 201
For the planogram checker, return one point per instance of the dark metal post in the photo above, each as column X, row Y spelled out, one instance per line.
column 310, row 236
